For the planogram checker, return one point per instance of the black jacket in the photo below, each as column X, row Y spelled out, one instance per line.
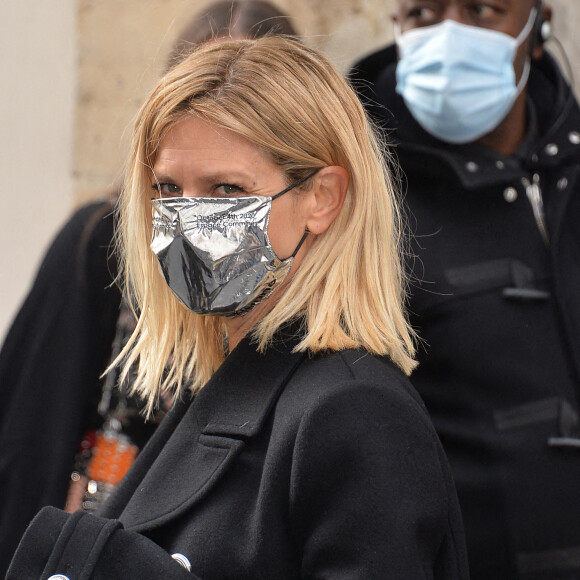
column 284, row 466
column 499, row 312
column 50, row 364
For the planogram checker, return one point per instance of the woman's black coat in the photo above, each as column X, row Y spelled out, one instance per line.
column 284, row 466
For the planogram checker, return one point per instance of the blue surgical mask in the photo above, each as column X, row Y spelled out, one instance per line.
column 458, row 81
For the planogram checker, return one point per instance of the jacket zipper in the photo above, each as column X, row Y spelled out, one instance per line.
column 534, row 193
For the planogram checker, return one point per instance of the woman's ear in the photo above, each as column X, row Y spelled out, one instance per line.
column 328, row 193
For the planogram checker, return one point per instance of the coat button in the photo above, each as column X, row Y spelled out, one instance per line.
column 59, row 577
column 574, row 137
column 510, row 194
column 182, row 560
column 551, row 149
column 472, row 166
column 562, row 184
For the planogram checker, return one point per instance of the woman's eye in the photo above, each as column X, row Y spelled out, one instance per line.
column 167, row 189
column 228, row 189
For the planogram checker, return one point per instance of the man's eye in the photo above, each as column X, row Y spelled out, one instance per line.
column 421, row 13
column 420, row 16
column 487, row 14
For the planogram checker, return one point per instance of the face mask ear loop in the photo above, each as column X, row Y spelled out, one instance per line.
column 302, row 240
column 524, row 77
column 521, row 37
column 290, row 187
column 295, row 184
column 528, row 27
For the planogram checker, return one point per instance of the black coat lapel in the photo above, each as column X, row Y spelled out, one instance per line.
column 115, row 505
column 233, row 406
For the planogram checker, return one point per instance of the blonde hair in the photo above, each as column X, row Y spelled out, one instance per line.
column 290, row 102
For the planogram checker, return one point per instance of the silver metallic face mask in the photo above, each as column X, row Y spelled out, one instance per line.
column 215, row 254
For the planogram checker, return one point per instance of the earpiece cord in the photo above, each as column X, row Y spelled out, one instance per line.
column 566, row 60
column 571, row 81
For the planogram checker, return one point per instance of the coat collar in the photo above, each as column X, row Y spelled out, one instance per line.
column 475, row 166
column 239, row 407
column 209, row 434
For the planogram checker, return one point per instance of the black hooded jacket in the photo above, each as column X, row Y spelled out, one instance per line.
column 495, row 296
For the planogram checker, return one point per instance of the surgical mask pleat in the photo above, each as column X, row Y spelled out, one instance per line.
column 458, row 81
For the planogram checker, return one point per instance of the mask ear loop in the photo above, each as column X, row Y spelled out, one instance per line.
column 289, row 188
column 524, row 78
column 530, row 25
column 302, row 240
column 295, row 184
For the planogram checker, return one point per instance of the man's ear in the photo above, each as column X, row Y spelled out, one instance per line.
column 543, row 31
column 328, row 193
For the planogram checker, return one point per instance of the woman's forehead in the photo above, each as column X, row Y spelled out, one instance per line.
column 194, row 148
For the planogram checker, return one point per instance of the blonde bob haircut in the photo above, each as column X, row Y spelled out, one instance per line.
column 349, row 290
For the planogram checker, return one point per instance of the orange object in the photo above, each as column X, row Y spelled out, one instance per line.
column 112, row 458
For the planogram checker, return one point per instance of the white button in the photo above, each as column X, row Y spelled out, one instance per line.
column 471, row 166
column 182, row 560
column 510, row 194
column 551, row 149
column 574, row 137
column 562, row 184
column 499, row 164
column 59, row 577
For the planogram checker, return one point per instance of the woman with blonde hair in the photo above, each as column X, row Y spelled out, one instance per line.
column 261, row 242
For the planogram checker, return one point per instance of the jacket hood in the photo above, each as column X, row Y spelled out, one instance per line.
column 556, row 111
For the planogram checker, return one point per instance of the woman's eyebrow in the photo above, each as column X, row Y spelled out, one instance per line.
column 246, row 180
column 160, row 178
column 160, row 174
column 230, row 175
